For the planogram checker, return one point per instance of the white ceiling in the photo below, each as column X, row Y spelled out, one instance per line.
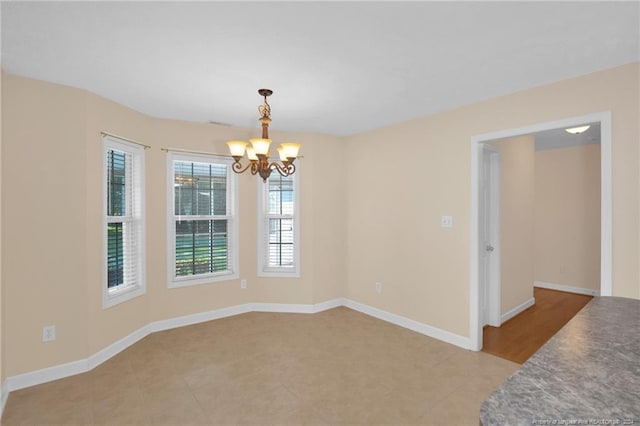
column 559, row 138
column 335, row 67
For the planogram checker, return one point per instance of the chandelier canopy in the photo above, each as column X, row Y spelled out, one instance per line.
column 258, row 152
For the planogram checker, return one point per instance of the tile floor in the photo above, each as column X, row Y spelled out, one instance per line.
column 334, row 367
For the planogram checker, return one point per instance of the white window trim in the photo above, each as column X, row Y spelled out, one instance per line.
column 116, row 296
column 232, row 204
column 263, row 270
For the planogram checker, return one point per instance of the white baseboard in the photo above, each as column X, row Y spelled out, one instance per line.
column 295, row 308
column 567, row 288
column 515, row 311
column 5, row 396
column 115, row 348
column 44, row 375
column 427, row 330
column 191, row 319
column 329, row 304
column 289, row 308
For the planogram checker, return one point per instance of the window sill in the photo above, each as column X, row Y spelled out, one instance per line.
column 201, row 279
column 279, row 274
column 120, row 296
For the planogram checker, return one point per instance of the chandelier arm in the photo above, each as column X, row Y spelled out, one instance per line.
column 284, row 169
column 237, row 167
column 255, row 167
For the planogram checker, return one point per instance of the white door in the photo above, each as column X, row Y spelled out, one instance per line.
column 489, row 240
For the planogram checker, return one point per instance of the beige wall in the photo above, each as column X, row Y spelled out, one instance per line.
column 375, row 220
column 567, row 216
column 517, row 191
column 53, row 155
column 402, row 178
column 44, row 223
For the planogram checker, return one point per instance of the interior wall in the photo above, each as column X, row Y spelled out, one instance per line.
column 44, row 222
column 55, row 213
column 517, row 189
column 404, row 177
column 376, row 220
column 567, row 216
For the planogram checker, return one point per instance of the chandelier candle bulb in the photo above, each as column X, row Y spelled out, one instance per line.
column 258, row 152
column 261, row 146
column 237, row 148
column 251, row 154
column 290, row 149
column 282, row 153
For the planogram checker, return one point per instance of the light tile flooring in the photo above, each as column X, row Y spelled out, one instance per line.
column 334, row 367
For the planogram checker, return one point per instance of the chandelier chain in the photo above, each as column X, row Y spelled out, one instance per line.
column 265, row 110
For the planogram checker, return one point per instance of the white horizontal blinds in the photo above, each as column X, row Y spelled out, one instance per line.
column 116, row 210
column 124, row 219
column 202, row 217
column 279, row 224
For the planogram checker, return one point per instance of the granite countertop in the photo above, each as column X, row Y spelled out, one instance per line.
column 588, row 373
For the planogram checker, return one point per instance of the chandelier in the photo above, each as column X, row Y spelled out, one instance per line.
column 258, row 152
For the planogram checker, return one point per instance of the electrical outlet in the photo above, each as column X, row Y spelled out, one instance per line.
column 446, row 221
column 379, row 288
column 48, row 333
column 243, row 283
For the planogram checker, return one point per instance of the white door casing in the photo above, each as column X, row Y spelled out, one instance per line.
column 606, row 268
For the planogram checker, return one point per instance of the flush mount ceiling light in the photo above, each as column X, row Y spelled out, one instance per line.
column 258, row 152
column 577, row 130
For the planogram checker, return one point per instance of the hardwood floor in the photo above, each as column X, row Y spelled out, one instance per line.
column 521, row 336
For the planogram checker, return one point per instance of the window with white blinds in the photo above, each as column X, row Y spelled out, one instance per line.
column 202, row 226
column 278, row 227
column 124, row 227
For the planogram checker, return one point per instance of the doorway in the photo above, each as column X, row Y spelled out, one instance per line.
column 479, row 266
